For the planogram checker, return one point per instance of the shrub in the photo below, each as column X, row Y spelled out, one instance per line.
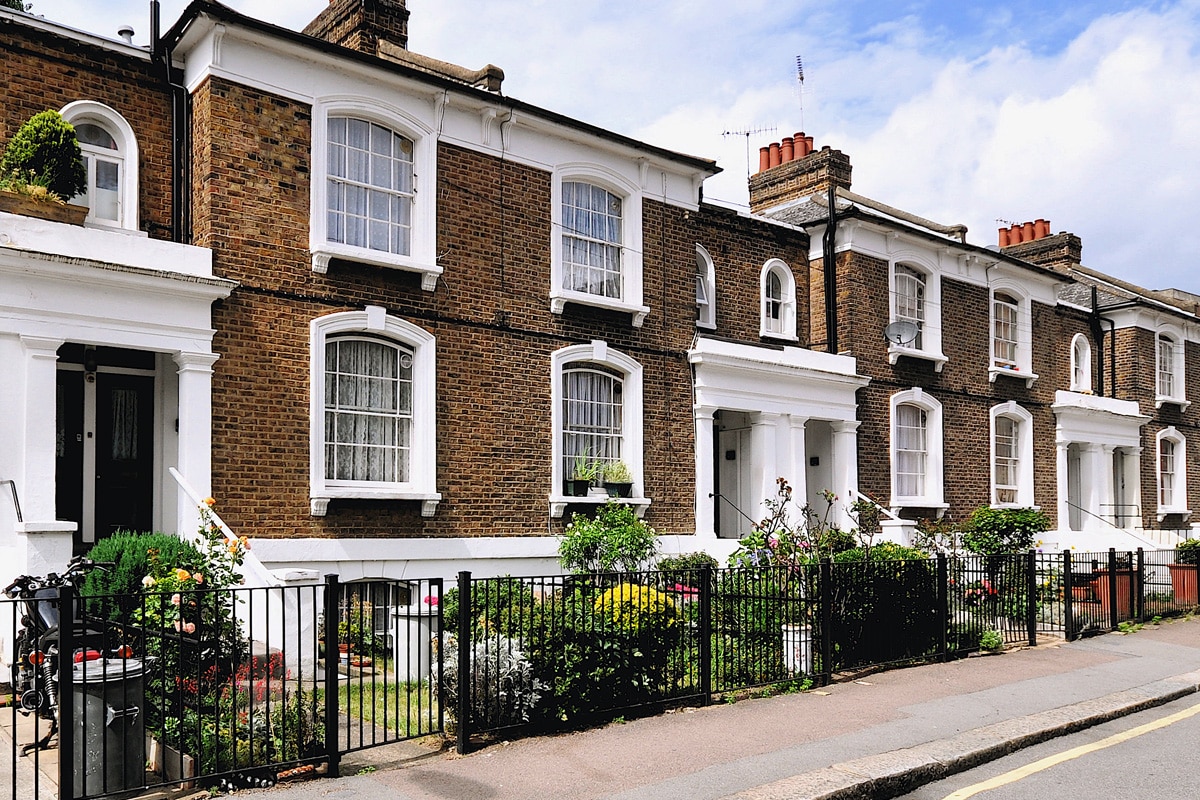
column 45, row 151
column 991, row 640
column 615, row 540
column 131, row 555
column 684, row 568
column 504, row 690
column 777, row 540
column 995, row 531
column 1188, row 552
column 634, row 608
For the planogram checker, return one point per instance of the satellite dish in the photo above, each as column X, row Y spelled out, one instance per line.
column 901, row 332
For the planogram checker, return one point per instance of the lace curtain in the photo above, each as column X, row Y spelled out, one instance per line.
column 368, row 411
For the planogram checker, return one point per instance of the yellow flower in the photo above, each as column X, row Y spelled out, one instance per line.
column 182, row 574
column 244, row 541
column 210, row 501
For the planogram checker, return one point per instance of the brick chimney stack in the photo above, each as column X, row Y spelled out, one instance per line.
column 362, row 24
column 794, row 169
column 1033, row 242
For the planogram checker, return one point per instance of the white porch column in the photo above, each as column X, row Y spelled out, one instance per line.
column 1106, row 485
column 705, row 446
column 1091, row 473
column 764, row 436
column 1063, row 486
column 845, row 470
column 46, row 543
column 797, row 473
column 195, row 433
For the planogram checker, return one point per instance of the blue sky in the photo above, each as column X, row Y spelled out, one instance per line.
column 1085, row 113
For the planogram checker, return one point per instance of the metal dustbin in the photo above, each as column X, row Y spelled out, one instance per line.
column 109, row 726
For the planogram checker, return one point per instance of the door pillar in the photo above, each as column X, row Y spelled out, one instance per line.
column 705, row 468
column 195, row 433
column 845, row 470
column 764, row 437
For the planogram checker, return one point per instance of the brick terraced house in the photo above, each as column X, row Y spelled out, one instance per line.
column 382, row 311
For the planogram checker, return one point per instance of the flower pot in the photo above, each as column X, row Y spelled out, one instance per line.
column 797, row 649
column 574, row 487
column 1184, row 583
column 618, row 489
column 1123, row 578
column 26, row 206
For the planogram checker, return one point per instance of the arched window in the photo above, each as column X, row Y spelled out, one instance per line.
column 1172, row 473
column 706, row 290
column 1081, row 364
column 1012, row 455
column 596, row 416
column 1169, row 386
column 916, row 450
column 110, row 158
column 372, row 410
column 777, row 289
column 909, row 300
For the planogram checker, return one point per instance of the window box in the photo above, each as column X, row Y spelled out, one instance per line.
column 559, row 504
column 25, row 206
column 1012, row 371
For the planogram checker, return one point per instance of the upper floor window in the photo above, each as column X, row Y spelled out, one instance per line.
column 1172, row 473
column 110, row 158
column 914, row 300
column 370, row 186
column 916, row 450
column 1081, row 364
column 596, row 254
column 1012, row 455
column 373, row 416
column 596, row 416
column 1012, row 333
column 706, row 290
column 1170, row 360
column 777, row 314
column 367, row 201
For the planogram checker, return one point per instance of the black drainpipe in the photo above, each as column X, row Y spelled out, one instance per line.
column 827, row 243
column 1098, row 336
column 180, row 205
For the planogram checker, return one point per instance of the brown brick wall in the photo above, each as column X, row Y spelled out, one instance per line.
column 490, row 315
column 42, row 70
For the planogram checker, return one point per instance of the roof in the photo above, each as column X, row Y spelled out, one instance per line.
column 226, row 14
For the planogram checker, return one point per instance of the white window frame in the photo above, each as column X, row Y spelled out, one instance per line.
column 928, row 346
column 422, row 257
column 1081, row 364
column 706, row 282
column 1023, row 456
column 1021, row 367
column 1178, row 501
column 934, row 494
column 631, row 245
column 1176, row 393
column 785, row 327
column 422, row 483
column 598, row 353
column 126, row 156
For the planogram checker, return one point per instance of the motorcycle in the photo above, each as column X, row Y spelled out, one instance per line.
column 35, row 648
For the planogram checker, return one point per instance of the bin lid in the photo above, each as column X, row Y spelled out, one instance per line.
column 107, row 669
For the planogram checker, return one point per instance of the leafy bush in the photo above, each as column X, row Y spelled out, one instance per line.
column 615, row 540
column 44, row 151
column 1188, row 552
column 994, row 531
column 751, row 606
column 132, row 554
column 991, row 640
column 633, row 608
column 776, row 540
column 504, row 690
column 685, row 568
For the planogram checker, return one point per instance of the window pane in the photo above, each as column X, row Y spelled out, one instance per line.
column 592, row 418
column 910, row 450
column 368, row 410
column 371, row 166
column 591, row 240
column 94, row 135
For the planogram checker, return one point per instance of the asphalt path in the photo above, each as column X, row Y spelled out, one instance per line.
column 1151, row 754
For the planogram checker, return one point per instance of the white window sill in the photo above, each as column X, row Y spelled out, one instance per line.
column 1164, row 512
column 559, row 503
column 779, row 337
column 319, row 503
column 709, row 326
column 322, row 254
column 1161, row 400
column 1017, row 505
column 113, row 227
column 895, row 351
column 900, row 503
column 1012, row 372
column 560, row 298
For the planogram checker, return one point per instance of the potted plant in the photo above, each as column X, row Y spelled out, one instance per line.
column 41, row 166
column 618, row 481
column 583, row 472
column 1184, row 572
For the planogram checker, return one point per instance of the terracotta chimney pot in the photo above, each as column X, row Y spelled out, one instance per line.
column 1027, row 232
column 764, row 159
column 1004, row 237
column 1014, row 233
column 787, row 150
column 1040, row 229
column 775, row 162
column 808, row 145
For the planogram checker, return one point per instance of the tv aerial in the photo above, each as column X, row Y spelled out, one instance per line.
column 901, row 332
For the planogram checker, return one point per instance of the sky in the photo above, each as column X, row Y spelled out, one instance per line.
column 1082, row 112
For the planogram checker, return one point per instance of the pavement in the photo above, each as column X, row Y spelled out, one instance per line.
column 876, row 736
